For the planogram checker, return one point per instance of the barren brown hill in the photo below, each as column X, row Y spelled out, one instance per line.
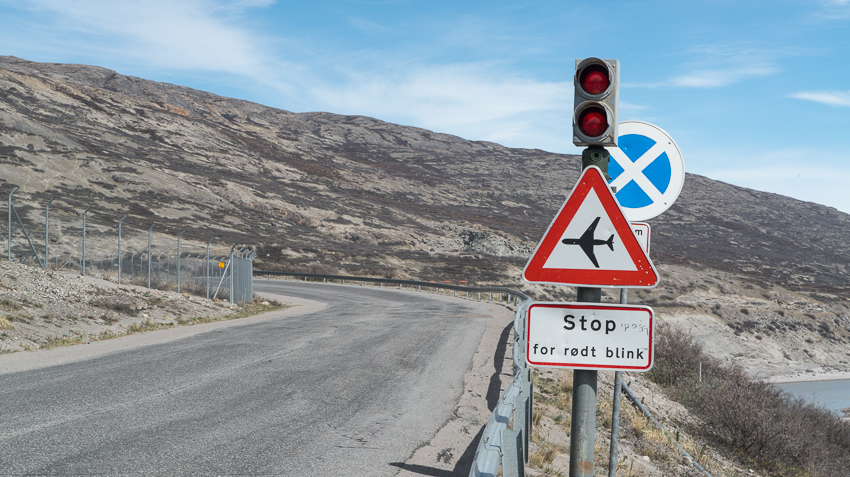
column 349, row 193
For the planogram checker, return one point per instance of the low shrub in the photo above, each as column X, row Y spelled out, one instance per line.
column 752, row 418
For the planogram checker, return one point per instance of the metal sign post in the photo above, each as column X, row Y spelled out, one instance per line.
column 583, row 426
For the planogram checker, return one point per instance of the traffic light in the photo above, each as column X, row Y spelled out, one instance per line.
column 597, row 92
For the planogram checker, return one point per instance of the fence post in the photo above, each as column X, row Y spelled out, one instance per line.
column 47, row 230
column 615, row 411
column 10, row 223
column 84, row 239
column 232, row 270
column 178, row 260
column 150, row 230
column 208, row 267
column 119, row 248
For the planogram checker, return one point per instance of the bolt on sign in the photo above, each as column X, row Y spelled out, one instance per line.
column 590, row 336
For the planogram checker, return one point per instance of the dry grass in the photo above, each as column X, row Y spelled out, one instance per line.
column 5, row 324
column 65, row 340
column 7, row 304
column 542, row 455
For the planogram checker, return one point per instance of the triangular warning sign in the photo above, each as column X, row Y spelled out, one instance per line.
column 591, row 243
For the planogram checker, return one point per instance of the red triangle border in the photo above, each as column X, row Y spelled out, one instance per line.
column 646, row 276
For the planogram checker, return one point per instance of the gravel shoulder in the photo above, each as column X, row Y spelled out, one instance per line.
column 42, row 312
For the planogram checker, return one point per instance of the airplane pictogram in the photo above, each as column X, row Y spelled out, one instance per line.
column 587, row 242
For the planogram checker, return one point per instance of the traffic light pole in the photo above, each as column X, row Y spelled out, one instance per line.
column 583, row 425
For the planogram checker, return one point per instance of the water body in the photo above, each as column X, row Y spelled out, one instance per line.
column 834, row 395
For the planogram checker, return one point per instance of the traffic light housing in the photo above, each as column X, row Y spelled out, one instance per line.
column 597, row 93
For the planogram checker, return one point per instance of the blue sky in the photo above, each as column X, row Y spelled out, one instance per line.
column 755, row 93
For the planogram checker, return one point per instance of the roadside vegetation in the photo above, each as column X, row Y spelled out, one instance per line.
column 761, row 425
column 256, row 307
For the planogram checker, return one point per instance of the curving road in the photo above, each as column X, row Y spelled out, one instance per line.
column 346, row 390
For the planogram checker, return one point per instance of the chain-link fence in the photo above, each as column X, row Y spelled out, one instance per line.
column 108, row 245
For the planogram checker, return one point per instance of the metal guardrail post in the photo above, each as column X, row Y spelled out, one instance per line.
column 521, row 421
column 513, row 463
column 528, row 391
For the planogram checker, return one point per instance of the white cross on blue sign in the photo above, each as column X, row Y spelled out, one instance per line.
column 646, row 170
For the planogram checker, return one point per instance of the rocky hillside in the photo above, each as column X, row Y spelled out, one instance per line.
column 350, row 192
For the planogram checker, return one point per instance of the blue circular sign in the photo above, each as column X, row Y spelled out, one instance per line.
column 646, row 170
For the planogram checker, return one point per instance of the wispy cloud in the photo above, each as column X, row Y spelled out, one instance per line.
column 779, row 171
column 719, row 77
column 832, row 98
column 834, row 9
column 469, row 99
column 190, row 34
column 717, row 66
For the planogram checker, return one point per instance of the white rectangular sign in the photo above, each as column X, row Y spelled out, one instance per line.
column 590, row 336
column 641, row 230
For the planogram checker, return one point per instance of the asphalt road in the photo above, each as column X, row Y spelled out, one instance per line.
column 348, row 390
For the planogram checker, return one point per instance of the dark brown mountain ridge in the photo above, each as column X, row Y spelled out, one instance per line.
column 348, row 193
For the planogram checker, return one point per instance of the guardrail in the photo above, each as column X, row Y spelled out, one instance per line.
column 511, row 294
column 505, row 437
column 499, row 444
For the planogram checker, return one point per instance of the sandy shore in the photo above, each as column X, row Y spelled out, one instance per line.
column 806, row 377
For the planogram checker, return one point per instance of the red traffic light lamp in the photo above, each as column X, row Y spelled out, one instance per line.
column 597, row 85
column 594, row 79
column 592, row 121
